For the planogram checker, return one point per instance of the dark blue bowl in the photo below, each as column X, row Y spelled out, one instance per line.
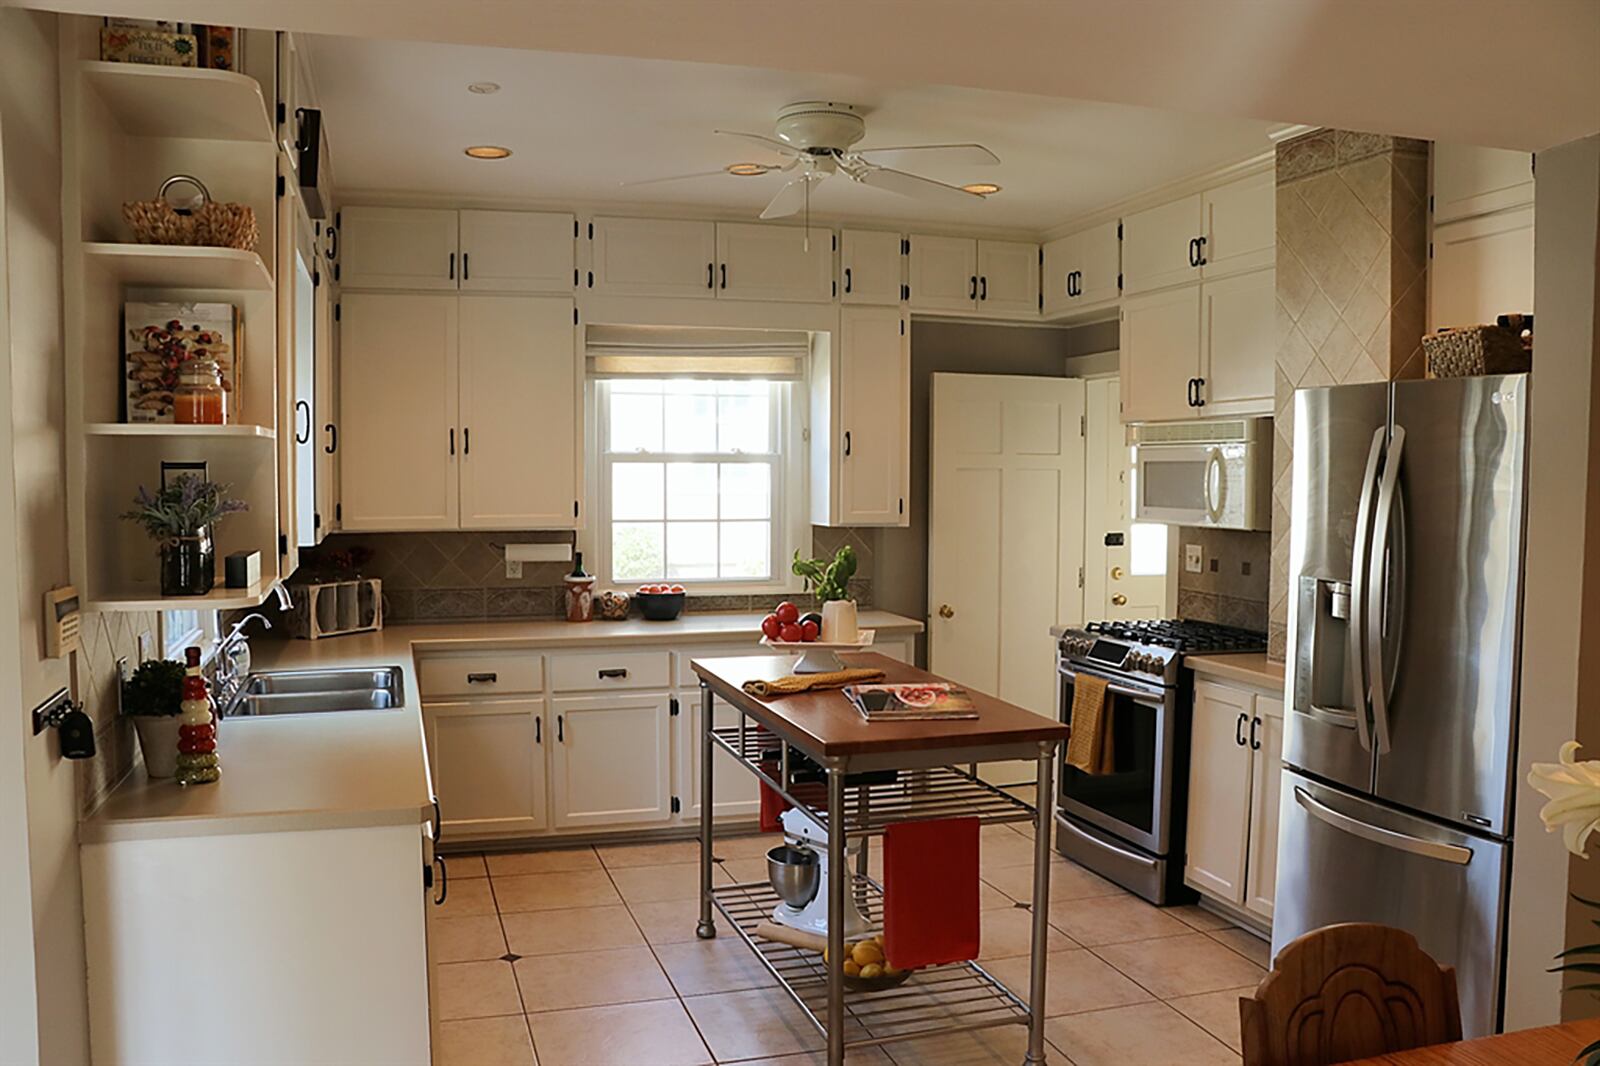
column 660, row 606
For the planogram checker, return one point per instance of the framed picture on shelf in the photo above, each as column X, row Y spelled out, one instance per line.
column 160, row 338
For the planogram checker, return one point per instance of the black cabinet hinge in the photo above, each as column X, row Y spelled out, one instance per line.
column 574, row 316
column 575, row 273
column 1041, row 255
column 283, row 113
column 677, row 805
column 1430, row 249
column 338, row 219
column 574, row 508
column 338, row 512
column 1119, row 282
column 902, row 327
column 336, row 272
column 283, row 544
column 591, row 231
column 574, row 229
column 316, row 278
column 905, row 292
column 902, row 505
column 280, row 185
column 1430, row 203
column 672, row 707
column 316, row 520
column 836, row 289
column 336, row 312
column 1119, row 231
column 1041, row 301
column 591, row 279
column 905, row 245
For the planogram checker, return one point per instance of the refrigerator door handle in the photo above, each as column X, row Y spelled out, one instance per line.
column 1359, row 676
column 1428, row 849
column 1378, row 568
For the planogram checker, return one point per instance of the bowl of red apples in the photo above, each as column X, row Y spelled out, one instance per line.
column 660, row 603
column 786, row 625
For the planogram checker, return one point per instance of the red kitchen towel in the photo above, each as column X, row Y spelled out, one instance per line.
column 772, row 804
column 930, row 887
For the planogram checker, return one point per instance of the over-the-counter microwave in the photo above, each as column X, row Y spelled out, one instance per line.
column 1215, row 474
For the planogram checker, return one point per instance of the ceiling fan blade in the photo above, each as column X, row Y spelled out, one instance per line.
column 791, row 198
column 768, row 143
column 899, row 181
column 966, row 155
column 675, row 177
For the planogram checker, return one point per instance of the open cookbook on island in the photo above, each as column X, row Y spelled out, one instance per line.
column 934, row 701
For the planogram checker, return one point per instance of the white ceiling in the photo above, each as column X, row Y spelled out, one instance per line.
column 398, row 115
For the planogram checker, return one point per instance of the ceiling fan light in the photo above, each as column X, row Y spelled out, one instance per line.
column 981, row 188
column 747, row 170
column 487, row 151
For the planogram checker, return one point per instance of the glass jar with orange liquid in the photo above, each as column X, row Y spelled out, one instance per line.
column 199, row 399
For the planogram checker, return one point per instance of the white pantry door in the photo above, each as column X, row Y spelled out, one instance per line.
column 1005, row 533
column 1125, row 562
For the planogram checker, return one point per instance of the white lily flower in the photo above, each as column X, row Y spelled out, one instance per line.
column 1574, row 791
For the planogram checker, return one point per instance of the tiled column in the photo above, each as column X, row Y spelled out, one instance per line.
column 1352, row 289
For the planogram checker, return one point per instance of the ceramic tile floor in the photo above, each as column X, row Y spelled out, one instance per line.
column 587, row 957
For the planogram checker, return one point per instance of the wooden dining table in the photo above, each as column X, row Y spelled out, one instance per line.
column 1556, row 1045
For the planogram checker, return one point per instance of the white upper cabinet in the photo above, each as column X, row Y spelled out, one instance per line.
column 1236, row 344
column 1160, row 339
column 871, row 263
column 397, row 403
column 1082, row 271
column 520, row 395
column 861, row 422
column 516, row 251
column 397, row 248
column 769, row 262
column 1160, row 246
column 654, row 257
column 943, row 273
column 1008, row 278
column 1240, row 226
column 1471, row 181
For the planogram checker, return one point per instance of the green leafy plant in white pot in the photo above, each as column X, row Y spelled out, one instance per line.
column 151, row 697
column 829, row 581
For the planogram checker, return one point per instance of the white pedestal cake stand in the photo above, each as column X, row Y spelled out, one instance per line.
column 820, row 657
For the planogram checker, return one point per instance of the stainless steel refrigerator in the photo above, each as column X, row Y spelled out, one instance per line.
column 1399, row 745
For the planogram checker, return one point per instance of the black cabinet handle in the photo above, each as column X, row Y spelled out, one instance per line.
column 452, row 266
column 847, row 280
column 538, row 730
column 333, row 438
column 443, row 881
column 482, row 679
column 332, row 251
column 711, row 275
column 452, row 440
column 1200, row 251
column 972, row 292
column 1255, row 743
column 561, row 729
column 615, row 671
column 724, row 271
column 466, row 440
column 466, row 271
column 302, row 408
column 847, row 444
column 438, row 822
column 1199, row 392
column 1238, row 730
column 983, row 291
column 1189, row 393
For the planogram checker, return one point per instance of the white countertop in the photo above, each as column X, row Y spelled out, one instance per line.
column 1249, row 667
column 358, row 768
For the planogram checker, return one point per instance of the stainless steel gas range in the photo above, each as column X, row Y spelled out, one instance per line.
column 1128, row 825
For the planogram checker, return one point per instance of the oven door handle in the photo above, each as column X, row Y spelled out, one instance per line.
column 1131, row 856
column 1120, row 690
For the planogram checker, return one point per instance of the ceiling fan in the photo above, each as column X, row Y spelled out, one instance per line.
column 817, row 138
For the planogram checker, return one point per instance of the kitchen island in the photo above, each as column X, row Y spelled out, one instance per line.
column 826, row 728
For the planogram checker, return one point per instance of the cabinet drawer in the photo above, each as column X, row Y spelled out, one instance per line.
column 608, row 670
column 487, row 674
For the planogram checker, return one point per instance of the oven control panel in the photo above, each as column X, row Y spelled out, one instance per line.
column 1118, row 656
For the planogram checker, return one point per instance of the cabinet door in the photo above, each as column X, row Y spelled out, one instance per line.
column 1266, row 772
column 397, row 405
column 1241, row 226
column 612, row 760
column 487, row 758
column 1482, row 267
column 737, row 794
column 324, row 431
column 1219, row 791
column 1098, row 261
column 870, row 266
column 1470, row 181
column 654, row 257
column 516, row 251
column 1160, row 353
column 397, row 248
column 1008, row 278
column 1057, row 275
column 1236, row 344
column 770, row 262
column 520, row 396
column 1156, row 248
column 874, row 437
column 943, row 273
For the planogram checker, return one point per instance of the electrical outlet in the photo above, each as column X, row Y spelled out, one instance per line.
column 1194, row 558
column 513, row 569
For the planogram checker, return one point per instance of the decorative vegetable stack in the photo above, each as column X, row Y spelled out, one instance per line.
column 197, row 735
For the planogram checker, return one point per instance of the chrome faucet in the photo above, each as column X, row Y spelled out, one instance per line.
column 233, row 658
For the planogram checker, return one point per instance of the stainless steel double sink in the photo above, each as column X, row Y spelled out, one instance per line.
column 274, row 692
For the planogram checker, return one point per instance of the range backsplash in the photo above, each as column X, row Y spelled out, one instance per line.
column 1233, row 585
column 435, row 577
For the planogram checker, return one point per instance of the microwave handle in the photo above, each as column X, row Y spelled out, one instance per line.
column 1215, row 486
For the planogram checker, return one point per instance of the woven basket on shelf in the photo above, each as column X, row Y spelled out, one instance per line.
column 211, row 224
column 1474, row 350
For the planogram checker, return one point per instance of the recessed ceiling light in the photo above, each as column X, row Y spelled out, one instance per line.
column 484, row 88
column 488, row 151
column 981, row 188
column 747, row 170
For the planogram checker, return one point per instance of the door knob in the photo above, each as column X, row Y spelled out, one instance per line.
column 1119, row 600
column 1116, row 573
column 946, row 611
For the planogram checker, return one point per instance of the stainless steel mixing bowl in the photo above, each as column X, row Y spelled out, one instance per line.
column 794, row 874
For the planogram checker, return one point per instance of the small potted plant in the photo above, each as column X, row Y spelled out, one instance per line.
column 151, row 697
column 180, row 517
column 829, row 580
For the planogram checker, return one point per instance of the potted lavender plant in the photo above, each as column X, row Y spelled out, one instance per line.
column 180, row 517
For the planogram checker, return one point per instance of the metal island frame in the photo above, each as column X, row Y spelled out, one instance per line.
column 936, row 764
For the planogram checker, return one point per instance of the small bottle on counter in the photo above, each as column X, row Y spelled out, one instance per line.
column 197, row 726
column 580, row 592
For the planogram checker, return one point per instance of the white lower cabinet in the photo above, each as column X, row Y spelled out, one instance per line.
column 737, row 793
column 488, row 765
column 1234, row 772
column 611, row 763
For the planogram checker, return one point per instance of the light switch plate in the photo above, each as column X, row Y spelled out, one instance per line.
column 1194, row 558
column 147, row 646
column 513, row 569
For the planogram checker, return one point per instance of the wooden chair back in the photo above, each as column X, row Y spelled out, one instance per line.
column 1349, row 991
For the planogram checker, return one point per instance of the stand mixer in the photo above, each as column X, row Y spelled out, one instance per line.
column 800, row 876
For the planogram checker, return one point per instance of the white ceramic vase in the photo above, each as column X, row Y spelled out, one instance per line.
column 839, row 622
column 158, row 739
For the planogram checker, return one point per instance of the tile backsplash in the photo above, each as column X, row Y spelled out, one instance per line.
column 1233, row 584
column 461, row 576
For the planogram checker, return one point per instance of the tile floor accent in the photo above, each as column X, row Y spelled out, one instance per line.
column 587, row 957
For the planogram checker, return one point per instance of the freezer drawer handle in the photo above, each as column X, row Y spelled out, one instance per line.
column 1428, row 849
column 1131, row 856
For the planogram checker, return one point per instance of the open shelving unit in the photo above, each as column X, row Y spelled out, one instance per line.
column 126, row 128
